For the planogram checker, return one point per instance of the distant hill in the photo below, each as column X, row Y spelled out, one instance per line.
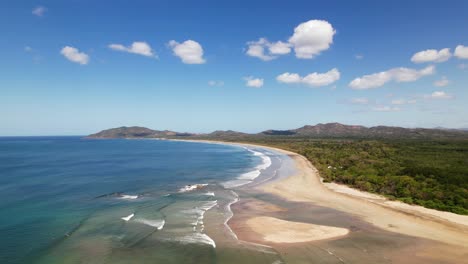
column 329, row 130
column 226, row 133
column 136, row 132
column 337, row 130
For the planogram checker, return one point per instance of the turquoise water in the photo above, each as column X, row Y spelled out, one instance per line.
column 68, row 199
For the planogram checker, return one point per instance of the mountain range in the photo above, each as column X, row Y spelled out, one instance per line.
column 329, row 130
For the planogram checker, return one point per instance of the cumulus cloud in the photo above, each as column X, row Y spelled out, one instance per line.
column 39, row 11
column 189, row 51
column 461, row 52
column 442, row 82
column 311, row 38
column 74, row 55
column 215, row 83
column 289, row 78
column 438, row 95
column 313, row 79
column 359, row 101
column 137, row 47
column 279, row 48
column 253, row 82
column 265, row 50
column 257, row 49
column 396, row 74
column 431, row 55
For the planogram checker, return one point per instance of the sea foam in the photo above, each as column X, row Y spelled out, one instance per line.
column 248, row 177
column 198, row 238
column 128, row 197
column 188, row 188
column 127, row 218
column 231, row 214
column 158, row 224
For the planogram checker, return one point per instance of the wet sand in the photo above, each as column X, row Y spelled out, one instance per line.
column 307, row 187
column 380, row 231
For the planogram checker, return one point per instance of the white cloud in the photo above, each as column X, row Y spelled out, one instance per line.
column 462, row 66
column 442, row 82
column 215, row 83
column 289, row 78
column 431, row 55
column 360, row 101
column 438, row 95
column 309, row 40
column 39, row 11
column 322, row 79
column 74, row 55
column 403, row 101
column 28, row 49
column 137, row 47
column 265, row 50
column 359, row 57
column 190, row 51
column 279, row 48
column 312, row 79
column 385, row 108
column 253, row 82
column 257, row 49
column 461, row 52
column 396, row 74
column 312, row 37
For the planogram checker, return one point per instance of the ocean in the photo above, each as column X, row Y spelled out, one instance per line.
column 77, row 200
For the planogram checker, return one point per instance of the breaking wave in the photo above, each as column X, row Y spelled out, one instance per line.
column 248, row 177
column 158, row 224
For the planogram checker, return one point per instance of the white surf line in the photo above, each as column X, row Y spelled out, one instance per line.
column 250, row 176
column 188, row 188
column 228, row 207
column 158, row 224
column 127, row 218
column 197, row 238
column 128, row 197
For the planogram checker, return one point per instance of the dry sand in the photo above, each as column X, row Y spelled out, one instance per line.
column 414, row 209
column 306, row 186
column 280, row 231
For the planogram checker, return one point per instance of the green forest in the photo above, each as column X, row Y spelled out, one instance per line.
column 433, row 174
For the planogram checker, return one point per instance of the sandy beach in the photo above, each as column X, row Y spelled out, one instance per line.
column 394, row 216
column 397, row 217
column 425, row 234
column 280, row 231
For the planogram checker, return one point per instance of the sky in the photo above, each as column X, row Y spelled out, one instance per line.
column 75, row 67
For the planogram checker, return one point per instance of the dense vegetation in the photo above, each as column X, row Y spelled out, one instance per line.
column 433, row 174
column 428, row 167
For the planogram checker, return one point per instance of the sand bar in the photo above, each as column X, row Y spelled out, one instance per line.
column 280, row 231
column 306, row 186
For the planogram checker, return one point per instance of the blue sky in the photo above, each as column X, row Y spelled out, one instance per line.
column 68, row 67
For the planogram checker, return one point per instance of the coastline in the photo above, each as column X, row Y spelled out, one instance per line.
column 306, row 187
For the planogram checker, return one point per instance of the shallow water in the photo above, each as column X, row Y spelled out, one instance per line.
column 365, row 243
column 73, row 200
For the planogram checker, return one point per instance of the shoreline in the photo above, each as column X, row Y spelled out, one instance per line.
column 306, row 186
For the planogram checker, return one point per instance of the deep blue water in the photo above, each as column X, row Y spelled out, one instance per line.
column 49, row 185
